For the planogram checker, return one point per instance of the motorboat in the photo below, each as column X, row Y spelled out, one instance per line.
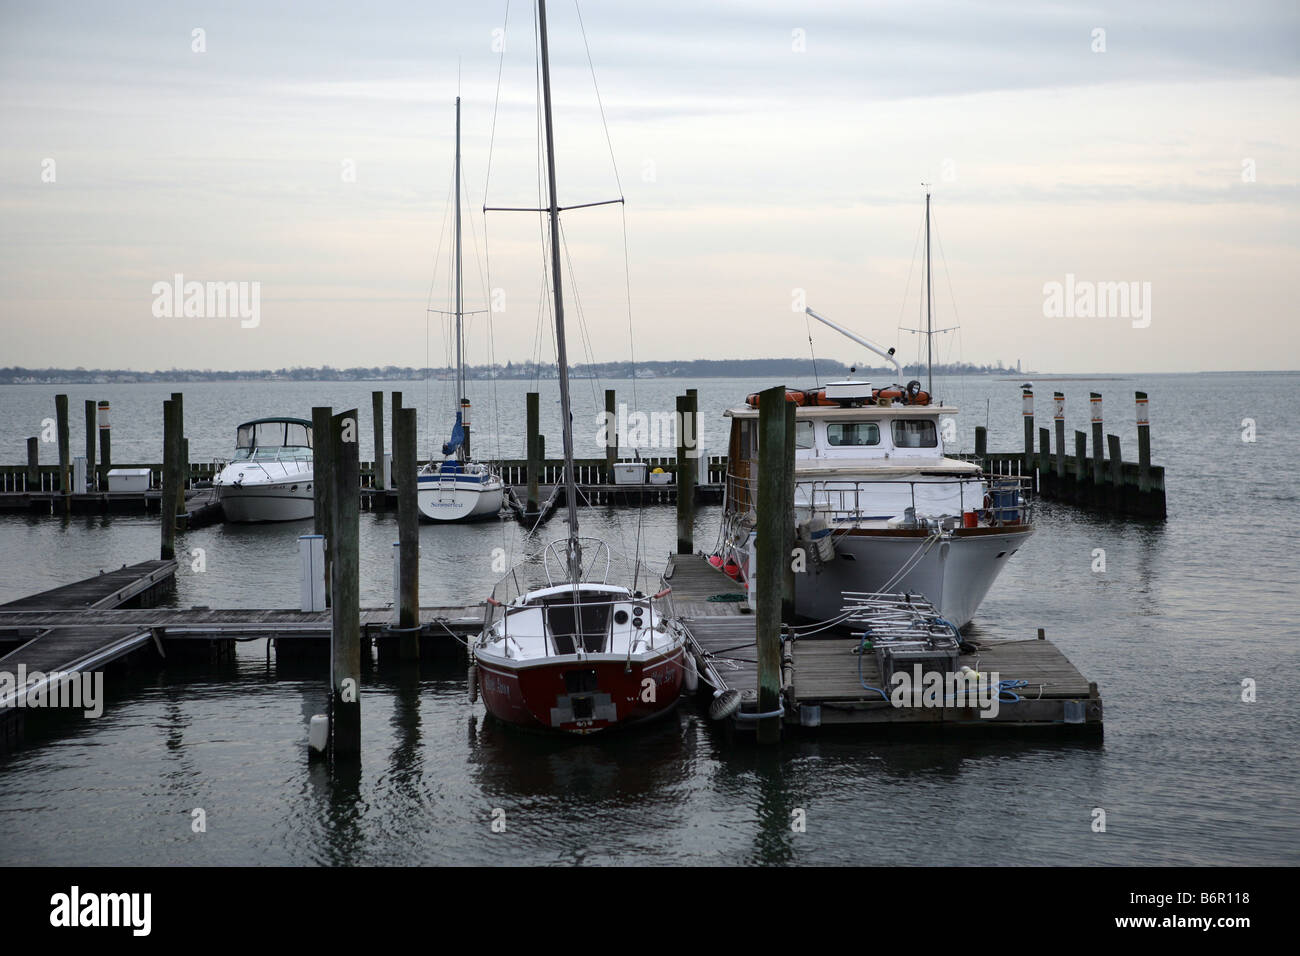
column 270, row 476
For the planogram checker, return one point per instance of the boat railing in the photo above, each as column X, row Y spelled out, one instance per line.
column 996, row 500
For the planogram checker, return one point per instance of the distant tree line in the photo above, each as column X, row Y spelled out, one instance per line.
column 792, row 369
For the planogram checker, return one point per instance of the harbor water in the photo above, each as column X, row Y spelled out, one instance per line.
column 1183, row 613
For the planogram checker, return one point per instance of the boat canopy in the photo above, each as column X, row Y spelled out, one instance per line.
column 274, row 433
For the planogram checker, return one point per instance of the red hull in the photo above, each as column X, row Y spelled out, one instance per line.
column 581, row 697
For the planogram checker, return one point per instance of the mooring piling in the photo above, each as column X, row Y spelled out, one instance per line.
column 1116, row 462
column 787, row 496
column 170, row 473
column 1058, row 400
column 1080, row 455
column 65, row 462
column 33, row 464
column 182, row 452
column 611, row 431
column 105, row 444
column 408, row 533
column 344, row 546
column 534, row 465
column 322, row 469
column 1144, row 442
column 90, row 445
column 685, row 476
column 1098, row 453
column 981, row 441
column 774, row 515
column 1027, row 412
column 377, row 416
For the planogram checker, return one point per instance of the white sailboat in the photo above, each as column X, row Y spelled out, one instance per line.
column 459, row 488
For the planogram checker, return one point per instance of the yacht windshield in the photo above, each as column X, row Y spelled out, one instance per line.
column 842, row 434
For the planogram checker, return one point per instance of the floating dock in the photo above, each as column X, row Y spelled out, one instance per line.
column 827, row 680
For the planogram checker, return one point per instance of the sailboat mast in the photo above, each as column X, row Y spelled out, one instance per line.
column 460, row 356
column 562, row 357
column 929, row 297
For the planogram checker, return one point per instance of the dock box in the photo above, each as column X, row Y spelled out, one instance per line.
column 660, row 477
column 128, row 479
column 629, row 472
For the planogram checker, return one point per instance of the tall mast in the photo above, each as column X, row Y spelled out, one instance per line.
column 929, row 296
column 562, row 357
column 460, row 357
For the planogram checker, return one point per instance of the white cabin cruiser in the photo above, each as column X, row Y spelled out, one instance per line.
column 270, row 477
column 878, row 507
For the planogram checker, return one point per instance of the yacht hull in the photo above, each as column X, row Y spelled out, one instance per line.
column 580, row 695
column 287, row 501
column 464, row 499
column 954, row 574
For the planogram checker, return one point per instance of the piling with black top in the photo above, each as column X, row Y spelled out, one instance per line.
column 343, row 545
column 90, row 444
column 1058, row 399
column 686, row 450
column 1098, row 454
column 1080, row 455
column 377, row 414
column 775, row 516
column 105, row 444
column 408, row 534
column 1144, row 443
column 33, row 464
column 533, row 414
column 981, row 441
column 611, row 433
column 1027, row 412
column 322, row 454
column 65, row 473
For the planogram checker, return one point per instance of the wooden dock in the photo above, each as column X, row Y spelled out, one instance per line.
column 201, row 504
column 825, row 679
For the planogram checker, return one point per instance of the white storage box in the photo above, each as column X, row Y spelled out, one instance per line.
column 661, row 478
column 128, row 479
column 629, row 473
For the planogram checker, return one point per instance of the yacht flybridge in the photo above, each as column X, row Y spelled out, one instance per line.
column 569, row 649
column 270, row 476
column 459, row 488
column 879, row 507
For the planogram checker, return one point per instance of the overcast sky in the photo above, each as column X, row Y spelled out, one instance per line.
column 761, row 147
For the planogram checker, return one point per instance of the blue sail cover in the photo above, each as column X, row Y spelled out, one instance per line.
column 457, row 438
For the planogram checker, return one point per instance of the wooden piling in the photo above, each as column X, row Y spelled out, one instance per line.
column 1098, row 452
column 774, row 513
column 105, row 444
column 377, row 415
column 787, row 496
column 344, row 546
column 686, row 450
column 1080, row 455
column 1058, row 399
column 170, row 473
column 65, row 461
column 611, row 433
column 1116, row 462
column 33, row 464
column 90, row 445
column 182, row 451
column 533, row 450
column 322, row 468
column 981, row 441
column 1044, row 448
column 408, row 534
column 1027, row 412
column 1144, row 442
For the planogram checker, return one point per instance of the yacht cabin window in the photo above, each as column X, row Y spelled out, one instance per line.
column 849, row 434
column 911, row 433
column 803, row 435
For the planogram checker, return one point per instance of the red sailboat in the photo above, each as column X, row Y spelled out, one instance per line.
column 575, row 652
